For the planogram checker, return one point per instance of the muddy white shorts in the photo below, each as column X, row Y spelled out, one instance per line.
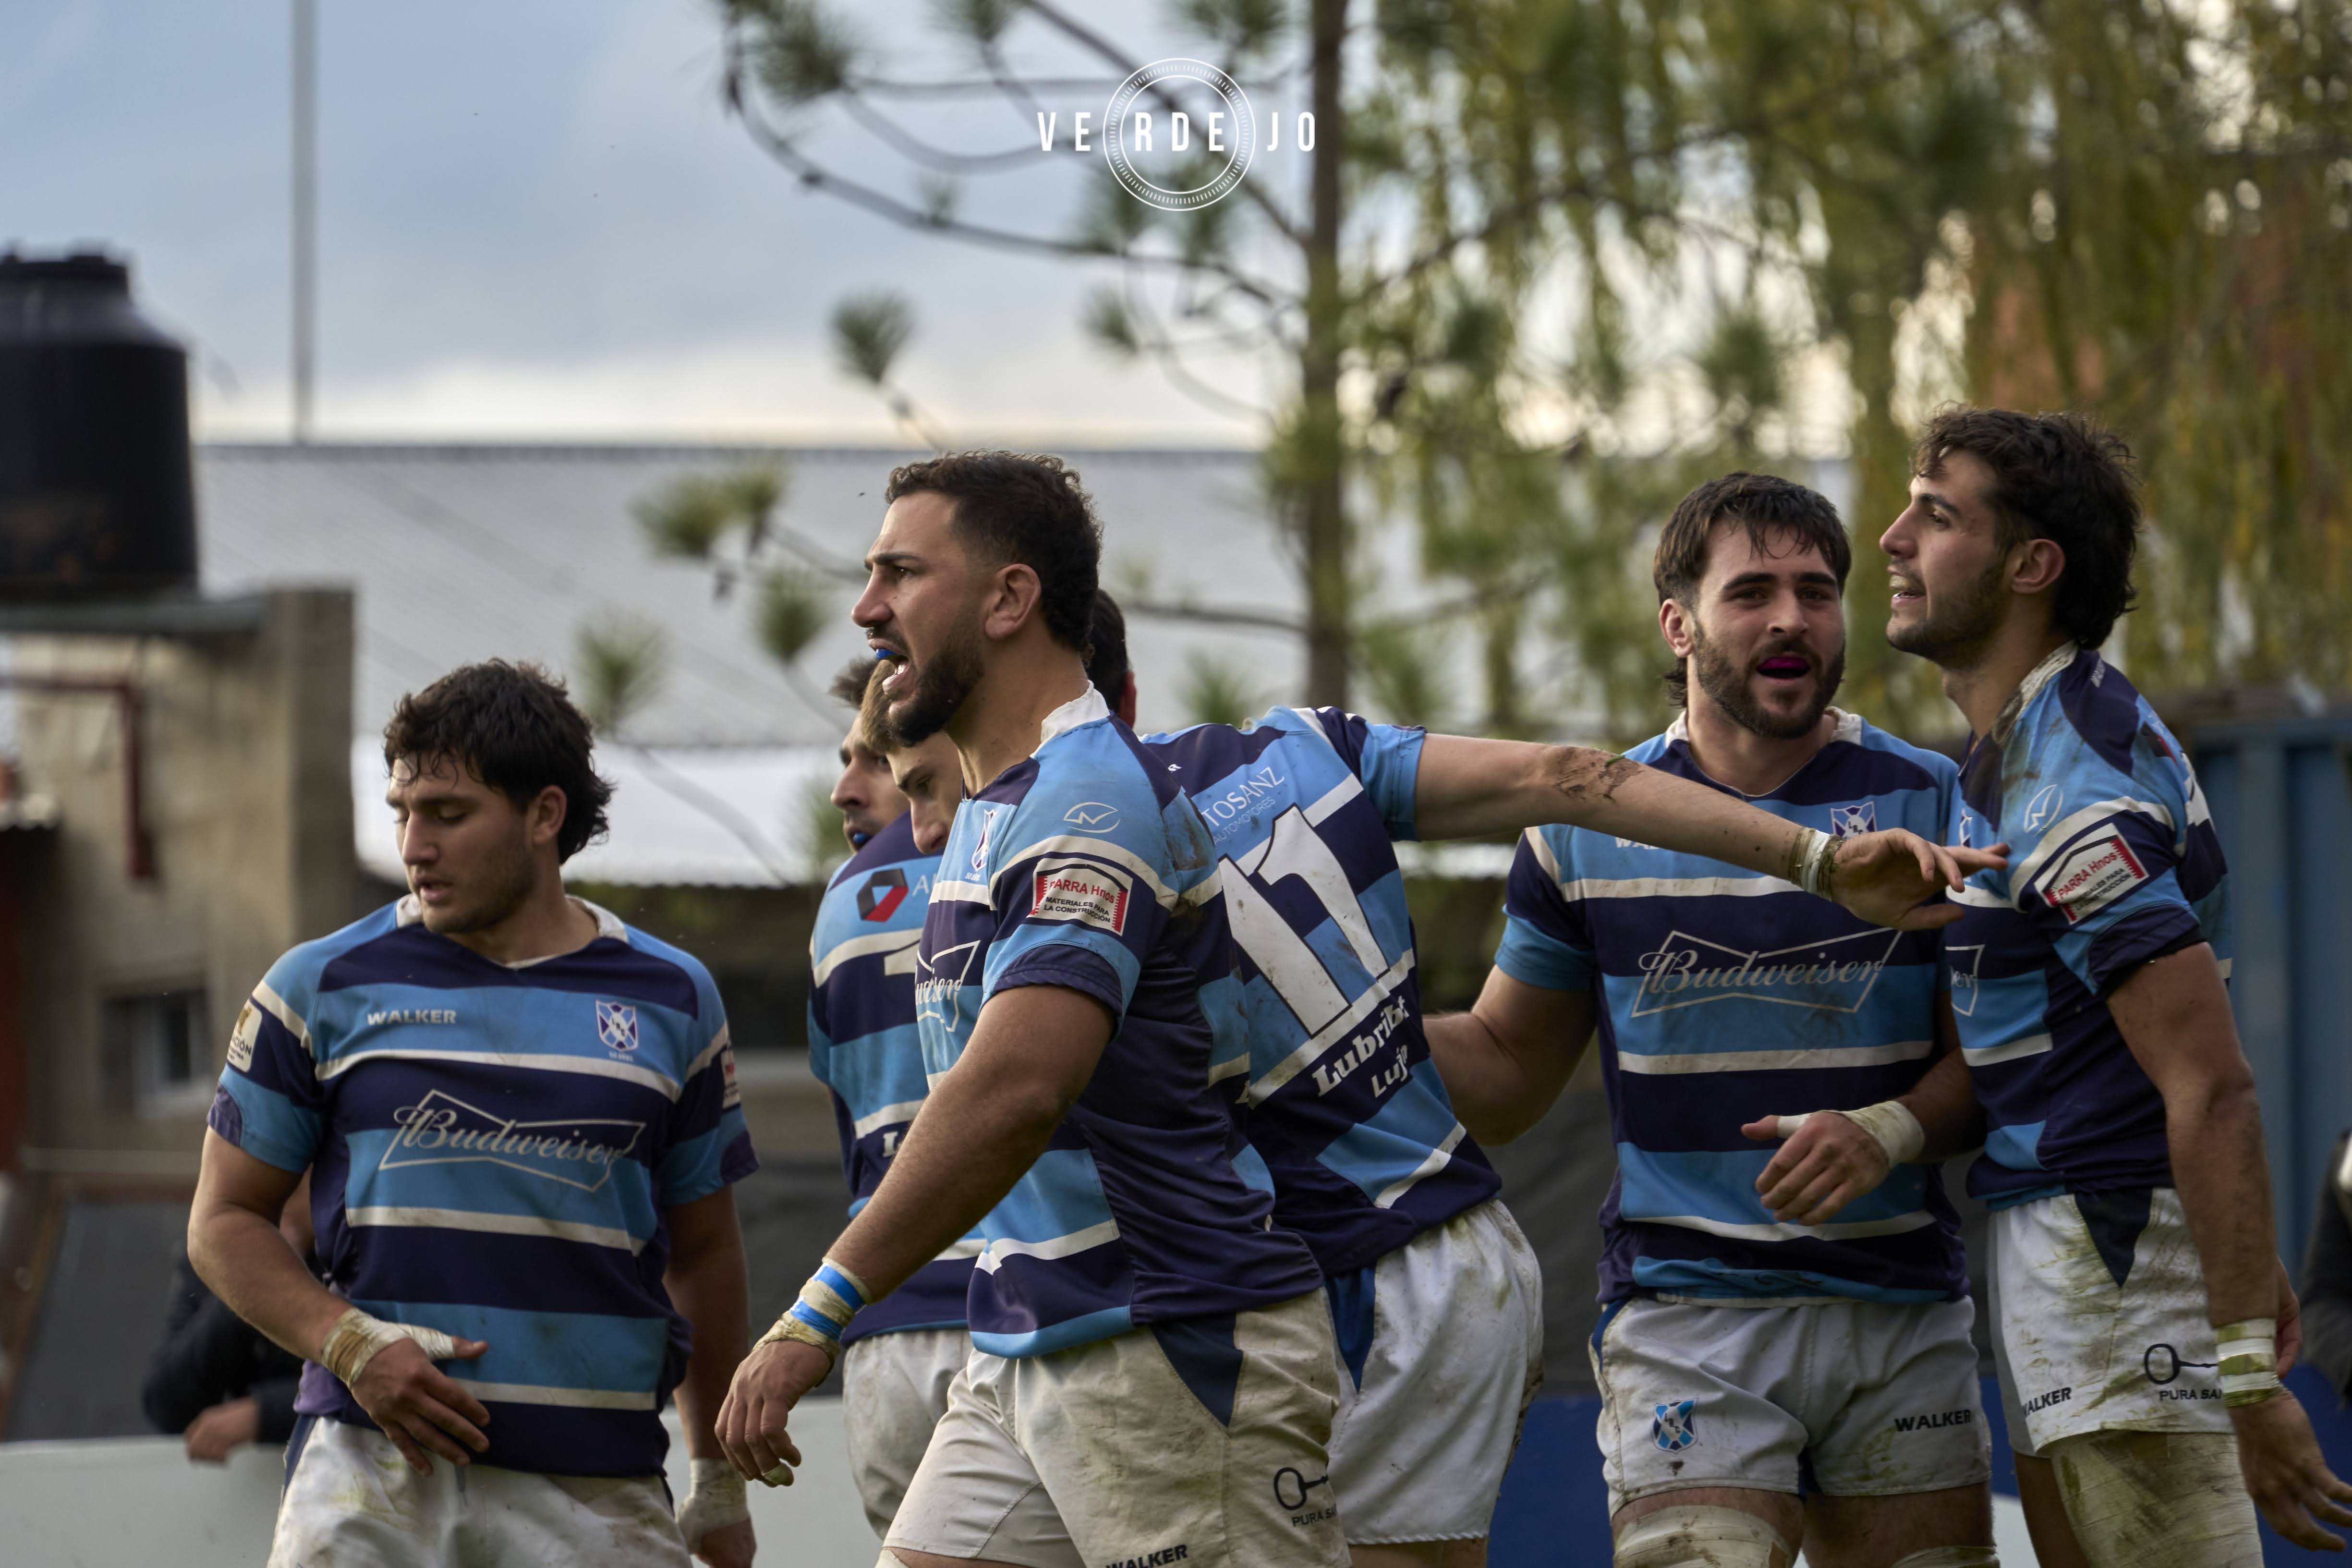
column 1446, row 1335
column 2099, row 1319
column 1201, row 1442
column 894, row 1389
column 352, row 1501
column 1863, row 1398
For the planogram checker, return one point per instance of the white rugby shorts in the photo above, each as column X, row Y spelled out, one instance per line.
column 1455, row 1356
column 1873, row 1399
column 1108, row 1453
column 2099, row 1319
column 350, row 1499
column 894, row 1389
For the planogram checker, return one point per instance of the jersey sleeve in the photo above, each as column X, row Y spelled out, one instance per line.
column 1082, row 910
column 1547, row 942
column 271, row 1102
column 709, row 1147
column 2101, row 879
column 1385, row 757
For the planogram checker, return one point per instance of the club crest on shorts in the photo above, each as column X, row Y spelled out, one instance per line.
column 616, row 1025
column 1675, row 1427
column 1861, row 817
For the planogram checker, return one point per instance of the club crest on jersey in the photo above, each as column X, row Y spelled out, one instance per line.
column 1081, row 892
column 442, row 1129
column 2093, row 875
column 1833, row 976
column 884, row 891
column 2043, row 809
column 1675, row 1427
column 1092, row 816
column 616, row 1025
column 1859, row 817
column 980, row 850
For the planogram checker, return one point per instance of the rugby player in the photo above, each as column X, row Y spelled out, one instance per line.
column 2141, row 1315
column 1762, row 1382
column 522, row 1127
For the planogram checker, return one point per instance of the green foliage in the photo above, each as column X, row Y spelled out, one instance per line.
column 1108, row 323
column 619, row 663
column 1216, row 692
column 1405, row 667
column 800, row 51
column 1243, row 30
column 790, row 613
column 869, row 331
column 694, row 517
column 821, row 846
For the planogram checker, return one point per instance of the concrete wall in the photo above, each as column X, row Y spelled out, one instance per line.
column 245, row 742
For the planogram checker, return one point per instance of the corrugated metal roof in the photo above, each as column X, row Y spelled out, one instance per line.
column 461, row 552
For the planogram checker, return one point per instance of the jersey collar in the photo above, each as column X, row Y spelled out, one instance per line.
column 1083, row 709
column 409, row 912
column 2039, row 676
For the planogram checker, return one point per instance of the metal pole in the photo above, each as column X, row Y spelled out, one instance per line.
column 306, row 210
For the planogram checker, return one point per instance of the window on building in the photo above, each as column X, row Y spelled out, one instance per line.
column 156, row 1042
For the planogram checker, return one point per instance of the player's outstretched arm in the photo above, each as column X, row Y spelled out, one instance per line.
column 237, row 1250
column 1506, row 1060
column 985, row 1123
column 1834, row 1157
column 710, row 1284
column 2174, row 1013
column 1467, row 787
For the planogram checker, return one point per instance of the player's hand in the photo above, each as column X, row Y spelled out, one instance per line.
column 729, row 1546
column 1830, row 1163
column 2287, row 1475
column 767, row 1385
column 2290, row 1322
column 1886, row 877
column 229, row 1425
column 421, row 1407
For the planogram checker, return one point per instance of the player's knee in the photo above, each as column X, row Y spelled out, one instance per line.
column 2182, row 1487
column 1951, row 1557
column 1696, row 1537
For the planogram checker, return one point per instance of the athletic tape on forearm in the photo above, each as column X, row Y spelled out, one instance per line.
column 2249, row 1358
column 356, row 1338
column 1812, row 860
column 1890, row 1124
column 714, row 1500
column 831, row 1298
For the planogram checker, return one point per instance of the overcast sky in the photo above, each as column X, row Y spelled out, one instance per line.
column 536, row 220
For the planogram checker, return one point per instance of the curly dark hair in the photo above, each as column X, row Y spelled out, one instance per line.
column 1106, row 664
column 1773, row 509
column 513, row 727
column 848, row 685
column 2059, row 477
column 1024, row 507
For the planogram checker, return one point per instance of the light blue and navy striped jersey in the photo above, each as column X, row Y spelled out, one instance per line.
column 1725, row 994
column 492, row 1149
column 2113, row 861
column 1327, row 1055
column 1085, row 866
column 864, row 1046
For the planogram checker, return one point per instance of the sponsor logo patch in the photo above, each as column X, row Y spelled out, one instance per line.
column 1675, row 1427
column 616, row 1025
column 938, row 983
column 1082, row 892
column 1832, row 976
column 1928, row 1423
column 2091, row 876
column 391, row 1016
column 884, row 891
column 1291, row 1489
column 441, row 1129
column 1859, row 816
column 1239, row 801
column 241, row 1038
column 2043, row 808
column 2044, row 1401
column 731, row 1096
column 1092, row 816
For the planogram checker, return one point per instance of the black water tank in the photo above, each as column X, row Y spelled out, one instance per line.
column 96, row 496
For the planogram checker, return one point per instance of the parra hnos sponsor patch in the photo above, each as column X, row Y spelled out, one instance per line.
column 2093, row 875
column 1081, row 892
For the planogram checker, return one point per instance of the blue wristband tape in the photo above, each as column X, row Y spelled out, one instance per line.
column 814, row 1320
column 833, row 1280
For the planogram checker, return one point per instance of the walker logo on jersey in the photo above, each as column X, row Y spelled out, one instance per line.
column 1675, row 1427
column 2043, row 809
column 1964, row 962
column 441, row 1129
column 391, row 1016
column 883, row 893
column 938, row 985
column 616, row 1025
column 1862, row 817
column 1083, row 892
column 1832, row 976
column 2091, row 876
column 1092, row 816
column 1929, row 1423
column 1237, row 801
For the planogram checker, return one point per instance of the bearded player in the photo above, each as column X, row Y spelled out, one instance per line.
column 521, row 1122
column 2137, row 1300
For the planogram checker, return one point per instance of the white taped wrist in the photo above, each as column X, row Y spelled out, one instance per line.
column 356, row 1339
column 714, row 1500
column 2249, row 1357
column 1890, row 1124
column 1812, row 859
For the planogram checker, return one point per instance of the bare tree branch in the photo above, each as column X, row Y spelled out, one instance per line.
column 910, row 145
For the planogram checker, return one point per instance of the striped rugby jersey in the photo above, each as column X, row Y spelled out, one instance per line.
column 1084, row 865
column 1323, row 1005
column 2113, row 861
column 492, row 1149
column 1727, row 995
column 864, row 1048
